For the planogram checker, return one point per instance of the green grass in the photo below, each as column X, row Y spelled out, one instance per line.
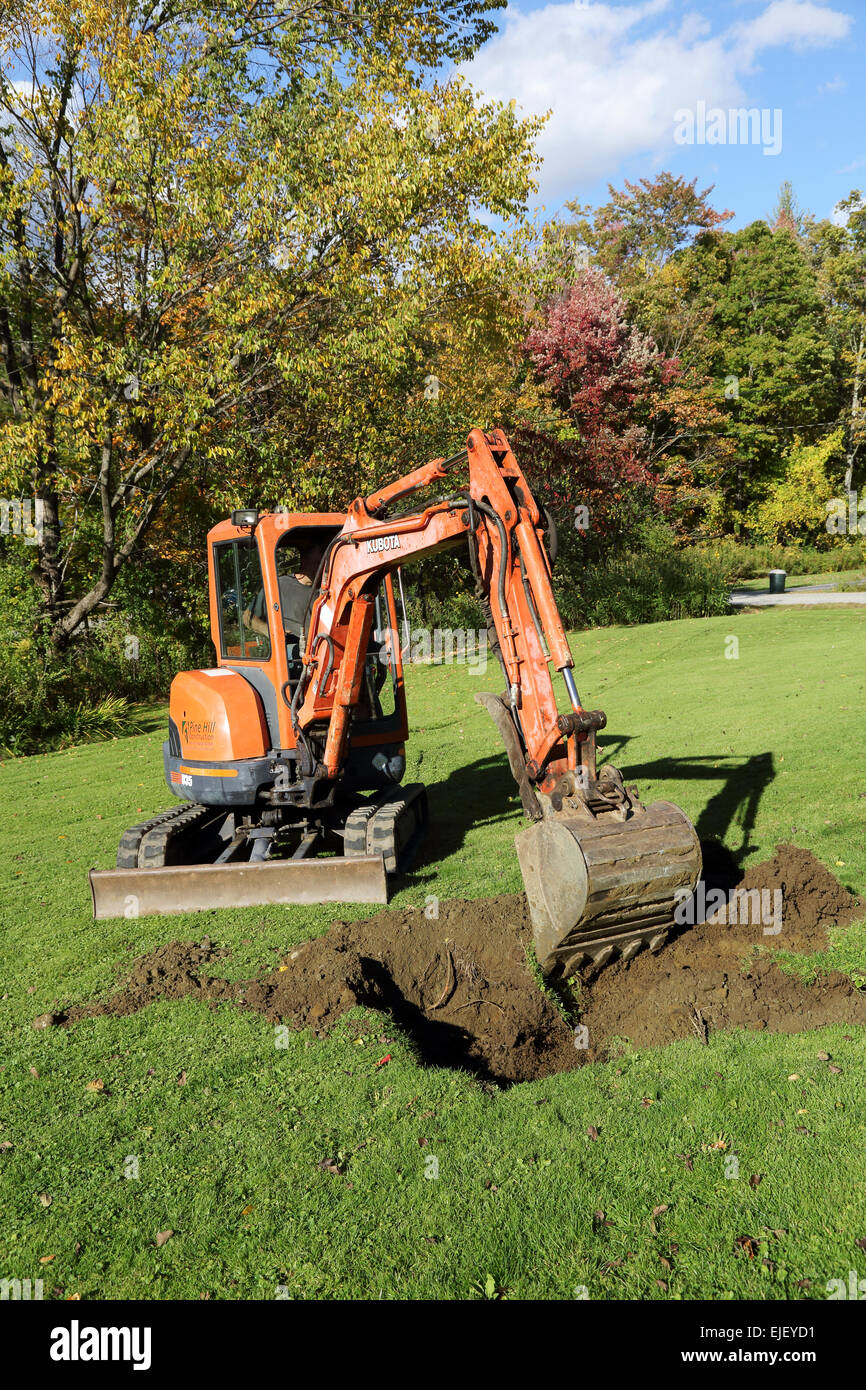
column 757, row 748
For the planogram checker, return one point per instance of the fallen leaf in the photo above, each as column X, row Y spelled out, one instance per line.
column 861, row 1243
column 33, row 1071
column 181, row 1080
column 45, row 1199
column 823, row 1056
column 162, row 1237
column 747, row 1244
column 836, row 1071
column 662, row 1285
column 46, row 1259
column 384, row 1060
column 592, row 1132
column 659, row 1211
column 95, row 1086
column 663, row 1260
column 247, row 1211
column 755, row 1179
column 330, row 1165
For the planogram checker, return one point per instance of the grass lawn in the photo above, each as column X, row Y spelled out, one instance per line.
column 752, row 723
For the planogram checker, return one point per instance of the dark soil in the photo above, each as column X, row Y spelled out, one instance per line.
column 462, row 988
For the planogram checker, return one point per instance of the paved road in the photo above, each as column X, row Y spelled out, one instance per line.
column 811, row 594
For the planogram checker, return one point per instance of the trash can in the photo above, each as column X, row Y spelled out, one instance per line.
column 777, row 581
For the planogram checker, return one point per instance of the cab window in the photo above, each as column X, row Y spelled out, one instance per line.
column 243, row 611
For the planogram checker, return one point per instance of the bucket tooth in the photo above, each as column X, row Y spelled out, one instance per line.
column 601, row 958
column 630, row 950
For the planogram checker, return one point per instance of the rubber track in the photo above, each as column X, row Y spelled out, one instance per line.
column 154, row 844
column 390, row 826
column 130, row 841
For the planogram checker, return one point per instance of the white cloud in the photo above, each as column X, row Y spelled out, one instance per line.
column 613, row 75
column 797, row 24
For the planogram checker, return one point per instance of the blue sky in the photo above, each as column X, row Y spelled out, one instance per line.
column 616, row 73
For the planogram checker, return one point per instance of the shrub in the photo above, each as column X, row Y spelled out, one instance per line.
column 751, row 560
column 795, row 505
column 50, row 700
column 650, row 581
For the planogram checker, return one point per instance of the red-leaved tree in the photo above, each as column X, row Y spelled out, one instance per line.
column 604, row 374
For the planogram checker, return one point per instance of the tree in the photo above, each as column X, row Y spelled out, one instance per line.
column 787, row 215
column 643, row 225
column 226, row 228
column 600, row 371
column 795, row 508
column 839, row 250
column 775, row 361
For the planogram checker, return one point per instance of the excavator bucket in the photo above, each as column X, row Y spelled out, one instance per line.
column 197, row 887
column 604, row 886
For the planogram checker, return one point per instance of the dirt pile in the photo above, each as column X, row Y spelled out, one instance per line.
column 715, row 975
column 461, row 985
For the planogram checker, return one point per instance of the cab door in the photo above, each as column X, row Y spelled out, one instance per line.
column 246, row 613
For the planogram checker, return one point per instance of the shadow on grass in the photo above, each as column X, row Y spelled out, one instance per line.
column 150, row 718
column 731, row 812
column 484, row 792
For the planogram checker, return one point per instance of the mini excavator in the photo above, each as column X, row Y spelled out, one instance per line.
column 287, row 757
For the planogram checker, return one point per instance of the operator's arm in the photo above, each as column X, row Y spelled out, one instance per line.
column 257, row 624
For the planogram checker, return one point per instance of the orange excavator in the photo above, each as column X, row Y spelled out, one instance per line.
column 287, row 756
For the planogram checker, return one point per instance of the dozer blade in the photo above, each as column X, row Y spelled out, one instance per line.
column 603, row 887
column 197, row 887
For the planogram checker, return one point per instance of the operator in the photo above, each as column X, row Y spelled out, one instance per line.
column 294, row 596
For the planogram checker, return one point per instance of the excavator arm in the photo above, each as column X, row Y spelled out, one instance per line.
column 498, row 519
column 603, row 873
